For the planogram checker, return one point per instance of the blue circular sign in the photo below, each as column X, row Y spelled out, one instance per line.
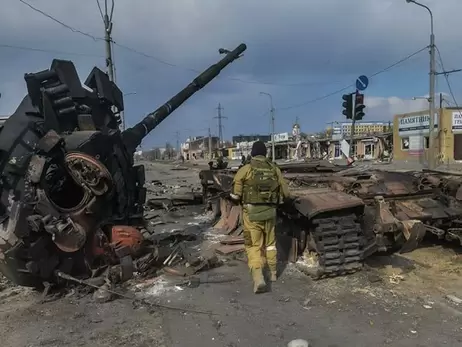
column 362, row 82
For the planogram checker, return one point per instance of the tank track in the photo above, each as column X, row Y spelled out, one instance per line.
column 339, row 244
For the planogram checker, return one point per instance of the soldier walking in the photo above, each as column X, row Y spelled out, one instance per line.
column 260, row 187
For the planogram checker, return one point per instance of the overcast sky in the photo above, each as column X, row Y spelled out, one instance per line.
column 298, row 51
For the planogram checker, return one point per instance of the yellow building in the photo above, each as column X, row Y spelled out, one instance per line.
column 411, row 141
column 365, row 128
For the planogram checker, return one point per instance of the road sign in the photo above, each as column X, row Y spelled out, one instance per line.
column 362, row 82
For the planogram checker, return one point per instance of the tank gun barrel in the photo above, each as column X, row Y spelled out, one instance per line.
column 133, row 136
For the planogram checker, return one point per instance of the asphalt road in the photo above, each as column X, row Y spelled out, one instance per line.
column 397, row 301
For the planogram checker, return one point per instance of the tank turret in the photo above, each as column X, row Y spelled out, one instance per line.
column 67, row 171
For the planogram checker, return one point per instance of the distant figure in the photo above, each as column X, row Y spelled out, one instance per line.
column 260, row 187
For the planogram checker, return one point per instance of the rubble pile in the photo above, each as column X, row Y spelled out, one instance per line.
column 3, row 283
column 173, row 234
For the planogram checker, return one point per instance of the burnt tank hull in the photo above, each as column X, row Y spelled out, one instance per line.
column 323, row 223
column 68, row 174
column 340, row 216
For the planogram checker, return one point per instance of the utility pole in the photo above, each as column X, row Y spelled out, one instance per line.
column 178, row 144
column 210, row 145
column 431, row 98
column 220, row 125
column 432, row 154
column 107, row 21
column 350, row 152
column 273, row 154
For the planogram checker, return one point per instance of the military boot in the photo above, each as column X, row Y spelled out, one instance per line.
column 259, row 285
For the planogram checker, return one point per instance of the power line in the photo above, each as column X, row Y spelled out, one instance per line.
column 352, row 85
column 100, row 10
column 446, row 77
column 164, row 62
column 229, row 78
column 48, row 50
column 159, row 60
column 62, row 23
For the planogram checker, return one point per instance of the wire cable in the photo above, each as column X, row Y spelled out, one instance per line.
column 100, row 10
column 161, row 61
column 446, row 77
column 2, row 45
column 304, row 84
column 352, row 85
column 95, row 38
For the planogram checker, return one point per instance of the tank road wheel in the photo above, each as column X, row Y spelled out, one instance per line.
column 339, row 243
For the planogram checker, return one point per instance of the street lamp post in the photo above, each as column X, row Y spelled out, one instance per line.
column 122, row 114
column 273, row 155
column 431, row 97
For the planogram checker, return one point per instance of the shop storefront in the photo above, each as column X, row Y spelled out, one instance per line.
column 411, row 136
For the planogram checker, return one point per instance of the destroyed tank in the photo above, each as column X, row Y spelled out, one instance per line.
column 320, row 221
column 403, row 207
column 68, row 173
column 342, row 215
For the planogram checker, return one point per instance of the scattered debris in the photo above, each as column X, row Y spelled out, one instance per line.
column 298, row 343
column 229, row 249
column 395, row 278
column 126, row 296
column 454, row 299
column 233, row 240
column 178, row 167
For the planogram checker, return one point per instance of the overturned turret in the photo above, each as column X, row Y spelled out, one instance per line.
column 67, row 171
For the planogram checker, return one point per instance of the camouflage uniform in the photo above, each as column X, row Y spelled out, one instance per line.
column 260, row 187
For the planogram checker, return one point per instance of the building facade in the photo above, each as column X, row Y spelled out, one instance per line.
column 364, row 128
column 198, row 147
column 411, row 136
column 251, row 138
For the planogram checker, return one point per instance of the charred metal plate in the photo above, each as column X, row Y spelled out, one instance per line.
column 49, row 141
column 414, row 232
column 221, row 180
column 85, row 122
column 397, row 188
column 36, row 166
column 234, row 217
column 310, row 203
column 412, row 210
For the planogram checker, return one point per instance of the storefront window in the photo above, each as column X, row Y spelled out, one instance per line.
column 405, row 143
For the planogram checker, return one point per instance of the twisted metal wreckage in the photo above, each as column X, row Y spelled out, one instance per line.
column 342, row 215
column 72, row 199
column 69, row 187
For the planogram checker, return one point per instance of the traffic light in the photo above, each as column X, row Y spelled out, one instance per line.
column 359, row 106
column 348, row 105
